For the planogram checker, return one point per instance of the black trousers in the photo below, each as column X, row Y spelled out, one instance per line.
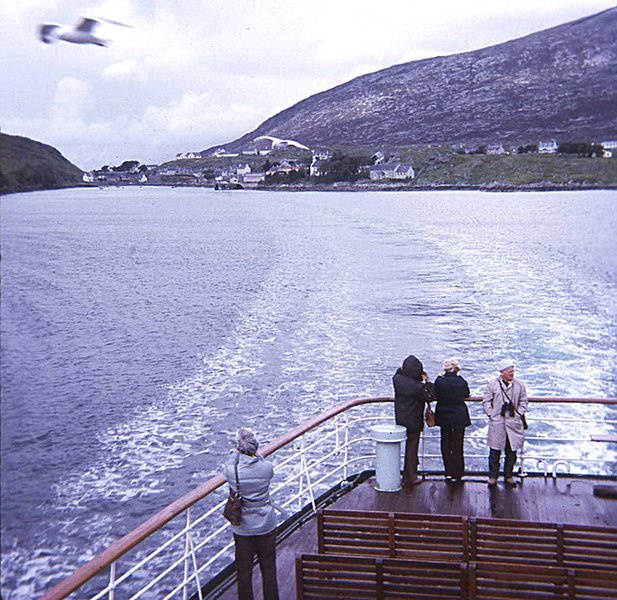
column 410, row 470
column 493, row 462
column 264, row 546
column 452, row 440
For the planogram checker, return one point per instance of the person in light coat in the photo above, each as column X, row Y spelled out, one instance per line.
column 504, row 401
column 256, row 534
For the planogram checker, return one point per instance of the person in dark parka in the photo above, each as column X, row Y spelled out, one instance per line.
column 452, row 416
column 409, row 402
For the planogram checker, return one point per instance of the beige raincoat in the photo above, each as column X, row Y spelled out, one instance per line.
column 493, row 399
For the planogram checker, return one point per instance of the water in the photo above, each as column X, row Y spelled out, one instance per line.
column 141, row 327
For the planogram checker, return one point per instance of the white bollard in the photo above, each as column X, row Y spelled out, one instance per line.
column 388, row 456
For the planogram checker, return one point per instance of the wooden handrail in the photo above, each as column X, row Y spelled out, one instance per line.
column 140, row 533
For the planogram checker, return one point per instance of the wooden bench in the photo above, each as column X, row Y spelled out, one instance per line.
column 353, row 577
column 506, row 581
column 514, row 542
column 586, row 546
column 394, row 535
column 442, row 537
column 594, row 584
column 522, row 542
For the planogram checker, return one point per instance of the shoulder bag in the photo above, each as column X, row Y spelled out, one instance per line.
column 429, row 416
column 233, row 507
column 429, row 396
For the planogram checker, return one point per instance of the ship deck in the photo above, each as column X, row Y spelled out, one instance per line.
column 567, row 500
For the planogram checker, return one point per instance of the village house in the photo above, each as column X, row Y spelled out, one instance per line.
column 393, row 170
column 317, row 168
column 378, row 158
column 495, row 149
column 549, row 147
column 253, row 179
column 321, row 154
column 610, row 149
column 258, row 148
column 284, row 167
column 243, row 170
column 222, row 153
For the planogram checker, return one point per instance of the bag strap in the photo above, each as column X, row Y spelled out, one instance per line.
column 505, row 393
column 237, row 479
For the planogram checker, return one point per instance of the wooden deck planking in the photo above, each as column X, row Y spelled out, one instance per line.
column 565, row 500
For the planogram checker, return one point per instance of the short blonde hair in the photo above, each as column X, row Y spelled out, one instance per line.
column 451, row 365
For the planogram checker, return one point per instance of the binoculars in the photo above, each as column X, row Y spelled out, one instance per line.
column 507, row 408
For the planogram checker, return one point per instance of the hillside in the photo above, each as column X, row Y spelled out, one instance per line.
column 559, row 83
column 27, row 165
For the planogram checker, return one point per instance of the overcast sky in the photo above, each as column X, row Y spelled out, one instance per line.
column 191, row 74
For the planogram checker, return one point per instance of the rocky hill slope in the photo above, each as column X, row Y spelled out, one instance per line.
column 27, row 165
column 559, row 83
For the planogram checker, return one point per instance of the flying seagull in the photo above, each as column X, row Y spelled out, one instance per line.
column 279, row 142
column 83, row 33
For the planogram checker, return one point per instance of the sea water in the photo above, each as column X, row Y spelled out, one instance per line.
column 142, row 326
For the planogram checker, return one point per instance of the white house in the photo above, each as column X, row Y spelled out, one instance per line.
column 549, row 147
column 495, row 149
column 378, row 158
column 221, row 152
column 321, row 154
column 610, row 149
column 391, row 171
column 243, row 170
column 253, row 178
column 316, row 168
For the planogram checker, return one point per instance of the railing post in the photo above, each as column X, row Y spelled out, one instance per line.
column 187, row 549
column 300, row 479
column 112, row 580
column 423, row 454
column 346, row 448
column 558, row 463
column 521, row 469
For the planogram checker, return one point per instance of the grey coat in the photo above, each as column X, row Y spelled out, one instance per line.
column 254, row 475
column 499, row 427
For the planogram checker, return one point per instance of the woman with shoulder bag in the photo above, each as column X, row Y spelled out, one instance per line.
column 256, row 533
column 452, row 417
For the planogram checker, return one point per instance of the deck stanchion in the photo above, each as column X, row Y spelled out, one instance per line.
column 187, row 550
column 388, row 438
column 112, row 581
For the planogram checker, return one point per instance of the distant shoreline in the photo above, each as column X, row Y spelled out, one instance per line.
column 358, row 187
column 350, row 187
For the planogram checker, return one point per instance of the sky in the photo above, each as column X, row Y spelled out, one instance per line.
column 191, row 74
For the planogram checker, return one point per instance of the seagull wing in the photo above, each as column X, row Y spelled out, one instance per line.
column 270, row 138
column 45, row 32
column 87, row 25
column 112, row 22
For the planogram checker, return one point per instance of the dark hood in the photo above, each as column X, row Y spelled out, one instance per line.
column 412, row 367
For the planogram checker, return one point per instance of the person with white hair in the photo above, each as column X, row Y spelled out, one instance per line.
column 256, row 533
column 505, row 402
column 452, row 417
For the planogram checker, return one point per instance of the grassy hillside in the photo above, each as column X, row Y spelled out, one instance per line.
column 27, row 165
column 444, row 166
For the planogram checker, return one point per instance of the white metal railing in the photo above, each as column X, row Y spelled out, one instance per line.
column 174, row 553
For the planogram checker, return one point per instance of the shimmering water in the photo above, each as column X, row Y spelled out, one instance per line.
column 141, row 327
